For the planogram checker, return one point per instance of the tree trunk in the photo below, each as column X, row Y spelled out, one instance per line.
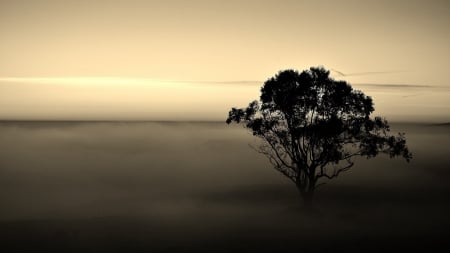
column 307, row 193
column 306, row 184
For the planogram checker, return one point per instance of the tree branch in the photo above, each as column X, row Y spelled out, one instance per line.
column 336, row 172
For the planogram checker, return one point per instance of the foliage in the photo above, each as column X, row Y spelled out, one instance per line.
column 312, row 126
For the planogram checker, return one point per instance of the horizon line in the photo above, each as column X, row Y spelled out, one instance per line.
column 428, row 122
column 105, row 80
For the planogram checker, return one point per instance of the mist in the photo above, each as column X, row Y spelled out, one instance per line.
column 165, row 186
column 115, row 98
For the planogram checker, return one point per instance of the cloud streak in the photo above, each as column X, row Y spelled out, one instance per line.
column 368, row 72
column 145, row 81
column 397, row 86
column 110, row 80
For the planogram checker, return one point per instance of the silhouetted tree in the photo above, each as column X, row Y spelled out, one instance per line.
column 312, row 126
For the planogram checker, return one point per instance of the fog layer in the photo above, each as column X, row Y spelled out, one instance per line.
column 197, row 186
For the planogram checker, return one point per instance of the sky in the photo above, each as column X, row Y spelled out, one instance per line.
column 194, row 60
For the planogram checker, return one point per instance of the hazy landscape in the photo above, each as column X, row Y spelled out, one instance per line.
column 198, row 186
column 113, row 134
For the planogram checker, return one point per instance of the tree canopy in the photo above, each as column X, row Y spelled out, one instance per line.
column 312, row 126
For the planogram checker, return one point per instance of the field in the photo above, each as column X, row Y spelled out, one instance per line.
column 198, row 186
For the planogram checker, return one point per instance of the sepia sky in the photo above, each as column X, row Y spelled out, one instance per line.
column 193, row 60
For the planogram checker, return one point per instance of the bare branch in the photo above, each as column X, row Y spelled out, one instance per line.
column 336, row 172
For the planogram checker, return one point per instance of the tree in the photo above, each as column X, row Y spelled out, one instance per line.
column 312, row 127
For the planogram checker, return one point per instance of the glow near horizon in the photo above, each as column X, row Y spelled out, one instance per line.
column 147, row 98
column 115, row 98
column 87, row 80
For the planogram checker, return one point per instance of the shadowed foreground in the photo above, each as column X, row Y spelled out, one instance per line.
column 165, row 187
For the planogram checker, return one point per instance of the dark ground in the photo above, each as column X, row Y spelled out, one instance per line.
column 198, row 187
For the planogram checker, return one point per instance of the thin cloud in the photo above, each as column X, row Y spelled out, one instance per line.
column 340, row 73
column 412, row 95
column 398, row 86
column 243, row 82
column 143, row 81
column 117, row 80
column 77, row 80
